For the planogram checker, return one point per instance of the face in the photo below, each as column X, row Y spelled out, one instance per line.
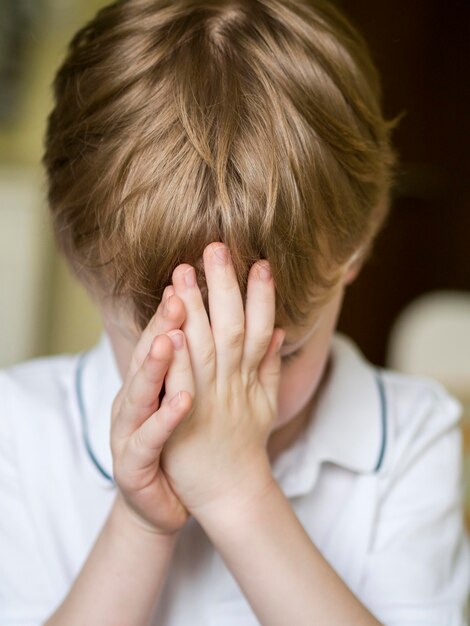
column 304, row 357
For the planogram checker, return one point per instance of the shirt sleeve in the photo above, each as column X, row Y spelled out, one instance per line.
column 417, row 570
column 22, row 580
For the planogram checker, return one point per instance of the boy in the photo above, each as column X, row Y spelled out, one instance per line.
column 227, row 164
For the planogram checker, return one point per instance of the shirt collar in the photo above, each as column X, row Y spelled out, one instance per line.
column 346, row 426
column 97, row 382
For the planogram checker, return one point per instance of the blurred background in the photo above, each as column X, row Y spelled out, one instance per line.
column 410, row 307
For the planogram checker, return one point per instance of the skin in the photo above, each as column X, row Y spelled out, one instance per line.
column 209, row 457
column 301, row 376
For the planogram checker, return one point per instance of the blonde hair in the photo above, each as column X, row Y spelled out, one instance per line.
column 253, row 122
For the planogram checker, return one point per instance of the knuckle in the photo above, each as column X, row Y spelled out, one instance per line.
column 250, row 377
column 206, row 356
column 258, row 348
column 128, row 400
column 230, row 288
column 264, row 342
column 133, row 400
column 234, row 336
column 139, row 440
column 197, row 305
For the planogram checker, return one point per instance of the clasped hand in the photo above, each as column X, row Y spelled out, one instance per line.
column 210, row 450
column 231, row 369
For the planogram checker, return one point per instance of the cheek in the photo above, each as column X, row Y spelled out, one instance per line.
column 301, row 378
column 297, row 385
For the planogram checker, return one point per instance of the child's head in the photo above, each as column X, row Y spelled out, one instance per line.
column 257, row 123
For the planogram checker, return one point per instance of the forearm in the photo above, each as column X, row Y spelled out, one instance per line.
column 121, row 580
column 283, row 575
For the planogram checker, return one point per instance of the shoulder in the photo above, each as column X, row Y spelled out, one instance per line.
column 417, row 395
column 42, row 380
column 420, row 413
column 392, row 416
column 417, row 565
column 35, row 396
column 38, row 459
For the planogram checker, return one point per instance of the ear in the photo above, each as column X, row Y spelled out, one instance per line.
column 354, row 269
column 351, row 275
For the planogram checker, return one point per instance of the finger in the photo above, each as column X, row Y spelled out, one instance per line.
column 180, row 375
column 147, row 442
column 259, row 316
column 196, row 326
column 141, row 398
column 269, row 371
column 170, row 314
column 226, row 310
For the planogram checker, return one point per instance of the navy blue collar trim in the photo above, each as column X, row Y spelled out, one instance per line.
column 81, row 406
column 383, row 404
column 103, row 472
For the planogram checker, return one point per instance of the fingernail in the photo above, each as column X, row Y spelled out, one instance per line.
column 280, row 342
column 177, row 340
column 190, row 277
column 264, row 271
column 221, row 255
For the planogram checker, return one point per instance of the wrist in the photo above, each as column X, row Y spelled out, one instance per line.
column 240, row 501
column 127, row 521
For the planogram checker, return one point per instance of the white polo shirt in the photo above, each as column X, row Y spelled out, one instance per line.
column 376, row 481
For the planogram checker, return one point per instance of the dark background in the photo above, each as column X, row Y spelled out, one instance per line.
column 422, row 53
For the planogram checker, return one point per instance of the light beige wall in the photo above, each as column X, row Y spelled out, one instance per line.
column 61, row 316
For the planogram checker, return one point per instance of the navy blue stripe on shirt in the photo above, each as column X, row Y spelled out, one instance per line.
column 103, row 472
column 81, row 405
column 383, row 413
